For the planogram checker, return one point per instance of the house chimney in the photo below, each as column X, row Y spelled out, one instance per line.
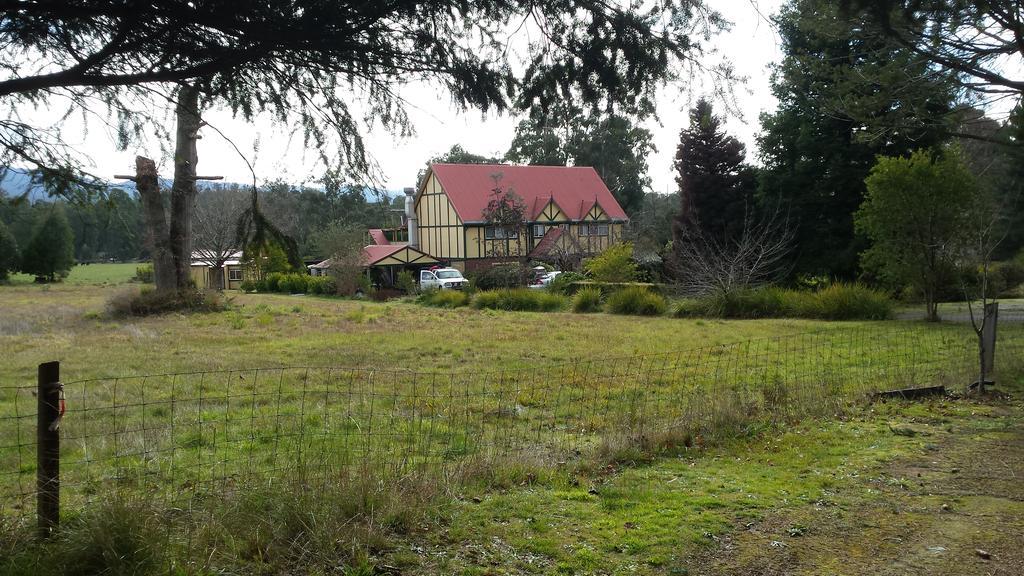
column 410, row 217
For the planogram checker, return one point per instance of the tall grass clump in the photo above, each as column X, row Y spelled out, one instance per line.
column 840, row 301
column 149, row 302
column 587, row 300
column 636, row 300
column 519, row 299
column 444, row 298
column 851, row 301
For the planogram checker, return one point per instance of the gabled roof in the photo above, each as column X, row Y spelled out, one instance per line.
column 543, row 248
column 375, row 253
column 573, row 188
column 378, row 237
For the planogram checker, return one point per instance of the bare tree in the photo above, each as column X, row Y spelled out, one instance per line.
column 756, row 255
column 504, row 216
column 213, row 227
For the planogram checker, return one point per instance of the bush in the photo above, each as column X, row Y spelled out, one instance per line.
column 504, row 276
column 147, row 302
column 445, row 298
column 636, row 300
column 844, row 301
column 271, row 282
column 839, row 301
column 767, row 302
column 613, row 265
column 321, row 285
column 406, row 282
column 144, row 273
column 294, row 283
column 563, row 283
column 607, row 288
column 519, row 299
column 587, row 300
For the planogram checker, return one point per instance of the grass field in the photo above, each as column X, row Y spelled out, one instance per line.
column 629, row 499
column 90, row 275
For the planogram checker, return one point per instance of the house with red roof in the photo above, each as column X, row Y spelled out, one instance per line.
column 568, row 214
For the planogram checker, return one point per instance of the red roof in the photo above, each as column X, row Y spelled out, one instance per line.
column 378, row 237
column 574, row 189
column 546, row 243
column 375, row 252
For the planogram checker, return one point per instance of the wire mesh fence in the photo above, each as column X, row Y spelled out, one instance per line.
column 189, row 440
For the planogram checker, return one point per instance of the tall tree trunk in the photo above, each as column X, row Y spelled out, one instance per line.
column 183, row 190
column 156, row 223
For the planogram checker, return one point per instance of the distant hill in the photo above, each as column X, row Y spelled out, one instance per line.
column 16, row 181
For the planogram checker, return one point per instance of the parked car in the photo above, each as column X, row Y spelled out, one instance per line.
column 543, row 280
column 442, row 279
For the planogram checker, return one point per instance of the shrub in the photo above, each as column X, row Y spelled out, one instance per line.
column 587, row 300
column 294, row 283
column 504, row 276
column 321, row 285
column 613, row 265
column 445, row 298
column 607, row 288
column 636, row 300
column 843, row 301
column 271, row 282
column 519, row 299
column 144, row 273
column 406, row 282
column 767, row 302
column 147, row 302
column 839, row 301
column 563, row 283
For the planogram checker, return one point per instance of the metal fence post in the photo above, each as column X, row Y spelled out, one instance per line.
column 48, row 399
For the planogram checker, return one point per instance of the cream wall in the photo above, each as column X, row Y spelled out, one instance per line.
column 439, row 226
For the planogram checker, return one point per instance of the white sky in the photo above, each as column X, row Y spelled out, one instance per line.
column 751, row 46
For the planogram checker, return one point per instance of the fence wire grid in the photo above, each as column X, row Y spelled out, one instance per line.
column 184, row 439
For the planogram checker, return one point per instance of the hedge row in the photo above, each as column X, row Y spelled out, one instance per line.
column 839, row 301
column 293, row 283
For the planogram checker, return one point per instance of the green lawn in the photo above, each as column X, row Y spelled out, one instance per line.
column 567, row 436
column 90, row 274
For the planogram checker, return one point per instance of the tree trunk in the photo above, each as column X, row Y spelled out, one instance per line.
column 183, row 190
column 156, row 223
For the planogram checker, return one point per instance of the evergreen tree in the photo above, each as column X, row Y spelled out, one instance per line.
column 839, row 108
column 716, row 187
column 614, row 145
column 9, row 257
column 51, row 252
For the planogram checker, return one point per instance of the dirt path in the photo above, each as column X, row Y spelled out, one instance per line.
column 955, row 507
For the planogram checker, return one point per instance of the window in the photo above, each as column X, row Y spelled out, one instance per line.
column 593, row 229
column 539, row 230
column 500, row 233
column 234, row 274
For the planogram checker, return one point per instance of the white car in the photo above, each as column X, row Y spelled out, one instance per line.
column 543, row 280
column 442, row 279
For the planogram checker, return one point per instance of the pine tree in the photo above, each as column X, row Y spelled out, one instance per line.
column 50, row 253
column 9, row 257
column 716, row 187
column 843, row 101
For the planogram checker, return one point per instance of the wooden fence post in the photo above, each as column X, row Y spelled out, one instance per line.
column 48, row 400
column 988, row 336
